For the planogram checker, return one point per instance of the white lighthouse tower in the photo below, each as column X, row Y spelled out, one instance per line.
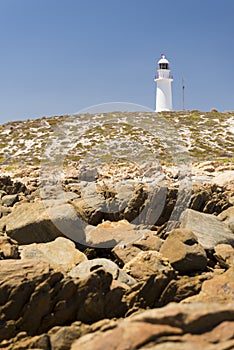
column 163, row 91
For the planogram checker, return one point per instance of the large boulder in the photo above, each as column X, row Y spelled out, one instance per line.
column 90, row 206
column 34, row 298
column 84, row 269
column 148, row 263
column 153, row 273
column 61, row 254
column 26, row 284
column 175, row 326
column 209, row 230
column 33, row 223
column 219, row 289
column 184, row 252
column 148, row 241
column 183, row 287
column 109, row 234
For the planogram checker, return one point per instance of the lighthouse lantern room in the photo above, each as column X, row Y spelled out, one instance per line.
column 163, row 80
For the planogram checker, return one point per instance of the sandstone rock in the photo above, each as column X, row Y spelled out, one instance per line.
column 209, row 198
column 148, row 263
column 184, row 252
column 157, row 327
column 34, row 298
column 9, row 200
column 21, row 281
column 8, row 248
column 224, row 253
column 161, row 206
column 147, row 293
column 61, row 254
column 61, row 338
column 108, row 234
column 136, row 204
column 227, row 216
column 208, row 229
column 57, row 338
column 148, row 241
column 153, row 273
column 125, row 253
column 124, row 193
column 23, row 342
column 97, row 300
column 199, row 198
column 132, row 201
column 200, row 342
column 10, row 187
column 84, row 269
column 104, row 202
column 31, row 223
column 219, row 289
column 183, row 287
column 90, row 210
column 225, row 178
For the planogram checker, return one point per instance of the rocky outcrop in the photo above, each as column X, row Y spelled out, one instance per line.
column 224, row 254
column 183, row 287
column 224, row 179
column 10, row 187
column 218, row 289
column 176, row 326
column 184, row 252
column 210, row 198
column 34, row 298
column 109, row 234
column 84, row 269
column 61, row 254
column 104, row 260
column 33, row 223
column 209, row 230
column 29, row 223
column 8, row 248
column 227, row 216
column 148, row 241
column 153, row 273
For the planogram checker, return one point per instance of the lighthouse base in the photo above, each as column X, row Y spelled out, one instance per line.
column 163, row 95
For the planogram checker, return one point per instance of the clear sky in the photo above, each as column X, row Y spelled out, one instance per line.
column 59, row 56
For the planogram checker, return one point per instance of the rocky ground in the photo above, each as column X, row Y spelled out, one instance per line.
column 118, row 251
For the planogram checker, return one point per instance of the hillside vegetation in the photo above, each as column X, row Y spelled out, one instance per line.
column 203, row 136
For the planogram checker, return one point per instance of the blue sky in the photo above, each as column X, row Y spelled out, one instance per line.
column 59, row 56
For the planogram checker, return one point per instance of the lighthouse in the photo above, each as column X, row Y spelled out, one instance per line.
column 163, row 80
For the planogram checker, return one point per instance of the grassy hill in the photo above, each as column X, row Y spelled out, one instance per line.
column 136, row 135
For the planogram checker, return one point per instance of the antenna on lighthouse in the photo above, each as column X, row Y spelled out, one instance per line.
column 183, row 94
